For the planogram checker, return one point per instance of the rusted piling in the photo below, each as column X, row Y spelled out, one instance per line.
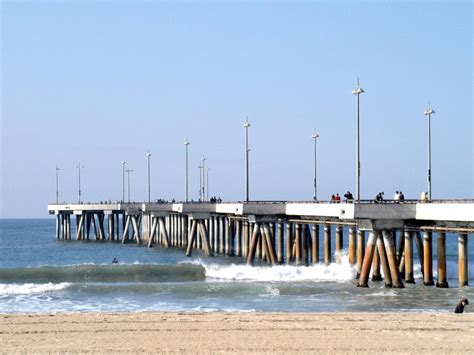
column 367, row 262
column 463, row 259
column 360, row 249
column 428, row 258
column 352, row 246
column 441, row 260
column 289, row 243
column 384, row 261
column 297, row 244
column 280, row 242
column 327, row 244
column 392, row 259
column 376, row 276
column 409, row 279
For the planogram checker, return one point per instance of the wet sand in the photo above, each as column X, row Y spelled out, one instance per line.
column 238, row 333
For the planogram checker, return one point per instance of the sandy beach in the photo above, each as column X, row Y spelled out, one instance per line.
column 238, row 333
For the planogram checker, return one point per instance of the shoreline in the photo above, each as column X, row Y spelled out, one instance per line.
column 243, row 332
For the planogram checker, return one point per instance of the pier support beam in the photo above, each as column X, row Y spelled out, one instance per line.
column 419, row 249
column 360, row 249
column 352, row 246
column 367, row 262
column 327, row 244
column 441, row 260
column 297, row 244
column 409, row 279
column 392, row 259
column 376, row 276
column 253, row 244
column 314, row 244
column 463, row 260
column 428, row 258
column 339, row 246
column 384, row 261
column 289, row 239
column 280, row 243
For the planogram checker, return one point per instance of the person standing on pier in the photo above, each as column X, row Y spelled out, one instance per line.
column 348, row 196
column 379, row 197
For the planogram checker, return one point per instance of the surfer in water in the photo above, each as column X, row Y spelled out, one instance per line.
column 460, row 307
column 115, row 261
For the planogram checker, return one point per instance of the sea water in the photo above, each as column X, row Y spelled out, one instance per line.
column 39, row 273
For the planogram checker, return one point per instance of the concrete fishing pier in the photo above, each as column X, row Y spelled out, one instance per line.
column 380, row 235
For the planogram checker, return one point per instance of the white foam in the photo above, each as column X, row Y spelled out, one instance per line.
column 29, row 288
column 333, row 272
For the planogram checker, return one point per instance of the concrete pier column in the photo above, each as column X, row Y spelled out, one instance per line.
column 253, row 243
column 238, row 238
column 110, row 226
column 400, row 247
column 211, row 233
column 384, row 261
column 245, row 238
column 304, row 245
column 463, row 259
column 352, row 246
column 58, row 225
column 392, row 259
column 419, row 249
column 289, row 243
column 88, row 222
column 327, row 244
column 314, row 244
column 441, row 260
column 117, row 226
column 360, row 249
column 367, row 262
column 63, row 225
column 271, row 257
column 69, row 227
column 428, row 258
column 376, row 276
column 221, row 235
column 259, row 251
column 409, row 279
column 230, row 238
column 297, row 244
column 280, row 243
column 339, row 241
column 215, row 221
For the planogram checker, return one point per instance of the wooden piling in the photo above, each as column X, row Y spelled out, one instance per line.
column 441, row 260
column 428, row 258
column 463, row 259
column 367, row 262
column 409, row 279
column 327, row 244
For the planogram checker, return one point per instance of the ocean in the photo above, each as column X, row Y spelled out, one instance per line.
column 40, row 274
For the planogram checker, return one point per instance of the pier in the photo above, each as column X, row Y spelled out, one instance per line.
column 381, row 236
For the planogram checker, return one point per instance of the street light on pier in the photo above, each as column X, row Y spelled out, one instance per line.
column 148, row 155
column 186, row 178
column 123, row 181
column 79, row 166
column 357, row 91
column 207, row 183
column 315, row 136
column 429, row 111
column 200, row 182
column 247, row 150
column 128, row 171
column 203, row 178
column 57, row 185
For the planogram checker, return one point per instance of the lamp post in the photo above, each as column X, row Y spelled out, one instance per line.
column 186, row 186
column 429, row 111
column 357, row 91
column 203, row 178
column 79, row 167
column 246, row 126
column 57, row 185
column 207, row 183
column 128, row 171
column 148, row 155
column 200, row 183
column 315, row 136
column 123, row 181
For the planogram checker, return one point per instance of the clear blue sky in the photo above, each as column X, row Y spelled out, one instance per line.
column 101, row 82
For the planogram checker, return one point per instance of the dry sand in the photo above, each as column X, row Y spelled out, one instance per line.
column 238, row 333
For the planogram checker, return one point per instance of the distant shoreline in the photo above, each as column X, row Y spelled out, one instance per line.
column 221, row 332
